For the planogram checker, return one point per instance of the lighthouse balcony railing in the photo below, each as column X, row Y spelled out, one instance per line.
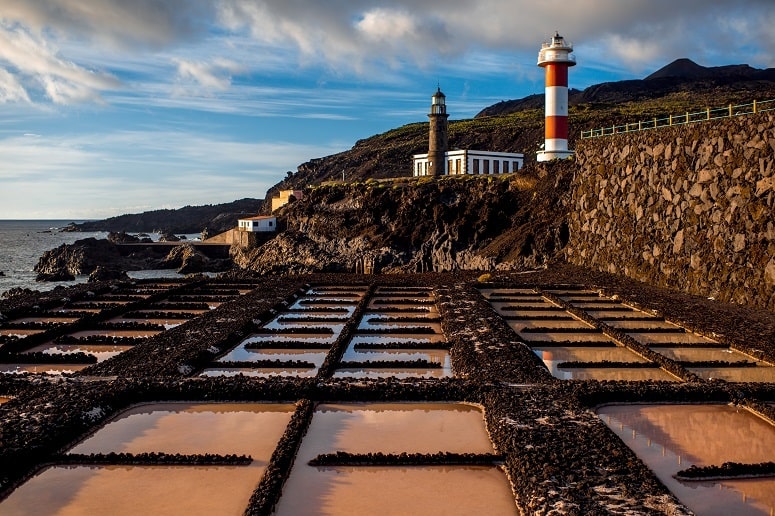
column 684, row 118
column 549, row 57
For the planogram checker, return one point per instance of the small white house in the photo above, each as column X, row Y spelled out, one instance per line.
column 259, row 224
column 474, row 162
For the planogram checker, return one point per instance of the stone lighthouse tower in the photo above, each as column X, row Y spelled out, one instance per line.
column 555, row 58
column 437, row 141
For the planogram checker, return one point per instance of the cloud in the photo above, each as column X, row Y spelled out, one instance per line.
column 37, row 61
column 357, row 37
column 208, row 76
column 73, row 50
column 120, row 23
column 10, row 89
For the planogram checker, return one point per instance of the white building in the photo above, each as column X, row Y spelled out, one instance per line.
column 474, row 162
column 260, row 224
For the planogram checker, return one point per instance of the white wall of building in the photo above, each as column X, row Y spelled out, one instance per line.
column 472, row 162
column 258, row 224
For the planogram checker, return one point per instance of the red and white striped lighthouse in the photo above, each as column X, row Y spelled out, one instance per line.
column 556, row 57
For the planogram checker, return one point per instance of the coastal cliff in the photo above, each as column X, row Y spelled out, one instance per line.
column 419, row 225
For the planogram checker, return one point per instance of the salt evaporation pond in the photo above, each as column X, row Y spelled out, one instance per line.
column 290, row 326
column 260, row 372
column 683, row 338
column 395, row 428
column 391, row 372
column 627, row 374
column 101, row 351
column 671, row 438
column 699, row 354
column 53, row 369
column 762, row 372
column 189, row 428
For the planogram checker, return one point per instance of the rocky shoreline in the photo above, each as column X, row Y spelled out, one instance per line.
column 560, row 457
column 108, row 259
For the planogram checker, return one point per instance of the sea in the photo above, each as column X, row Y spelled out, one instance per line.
column 23, row 242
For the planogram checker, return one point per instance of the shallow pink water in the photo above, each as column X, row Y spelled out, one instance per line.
column 241, row 428
column 669, row 438
column 395, row 428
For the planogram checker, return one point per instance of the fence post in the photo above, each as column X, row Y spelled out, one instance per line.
column 687, row 117
column 640, row 125
column 708, row 113
column 655, row 122
column 754, row 106
column 730, row 110
column 671, row 119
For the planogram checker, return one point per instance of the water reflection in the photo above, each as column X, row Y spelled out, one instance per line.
column 189, row 428
column 101, row 351
column 670, row 438
column 395, row 428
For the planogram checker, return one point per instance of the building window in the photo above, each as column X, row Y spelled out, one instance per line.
column 476, row 166
column 457, row 166
column 486, row 168
column 496, row 166
column 270, row 223
column 516, row 166
column 505, row 167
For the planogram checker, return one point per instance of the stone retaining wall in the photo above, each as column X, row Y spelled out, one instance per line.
column 688, row 207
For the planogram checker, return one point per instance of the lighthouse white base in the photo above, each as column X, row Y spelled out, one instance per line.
column 549, row 155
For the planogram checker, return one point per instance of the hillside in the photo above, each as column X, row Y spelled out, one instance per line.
column 683, row 78
column 518, row 125
column 421, row 225
column 189, row 219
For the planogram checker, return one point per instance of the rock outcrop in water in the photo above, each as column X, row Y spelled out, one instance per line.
column 81, row 257
column 104, row 259
column 505, row 222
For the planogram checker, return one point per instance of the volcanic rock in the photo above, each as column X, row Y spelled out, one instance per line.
column 166, row 236
column 121, row 237
column 104, row 273
column 81, row 257
column 59, row 275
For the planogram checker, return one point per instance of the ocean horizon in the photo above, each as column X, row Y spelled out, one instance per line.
column 23, row 242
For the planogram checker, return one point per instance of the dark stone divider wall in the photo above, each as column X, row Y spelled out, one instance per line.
column 688, row 207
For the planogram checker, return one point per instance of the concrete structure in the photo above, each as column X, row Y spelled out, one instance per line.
column 259, row 224
column 460, row 162
column 555, row 57
column 284, row 198
column 437, row 136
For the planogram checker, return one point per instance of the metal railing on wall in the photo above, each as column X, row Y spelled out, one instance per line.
column 682, row 119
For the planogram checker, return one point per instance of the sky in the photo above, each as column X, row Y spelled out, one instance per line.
column 116, row 106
